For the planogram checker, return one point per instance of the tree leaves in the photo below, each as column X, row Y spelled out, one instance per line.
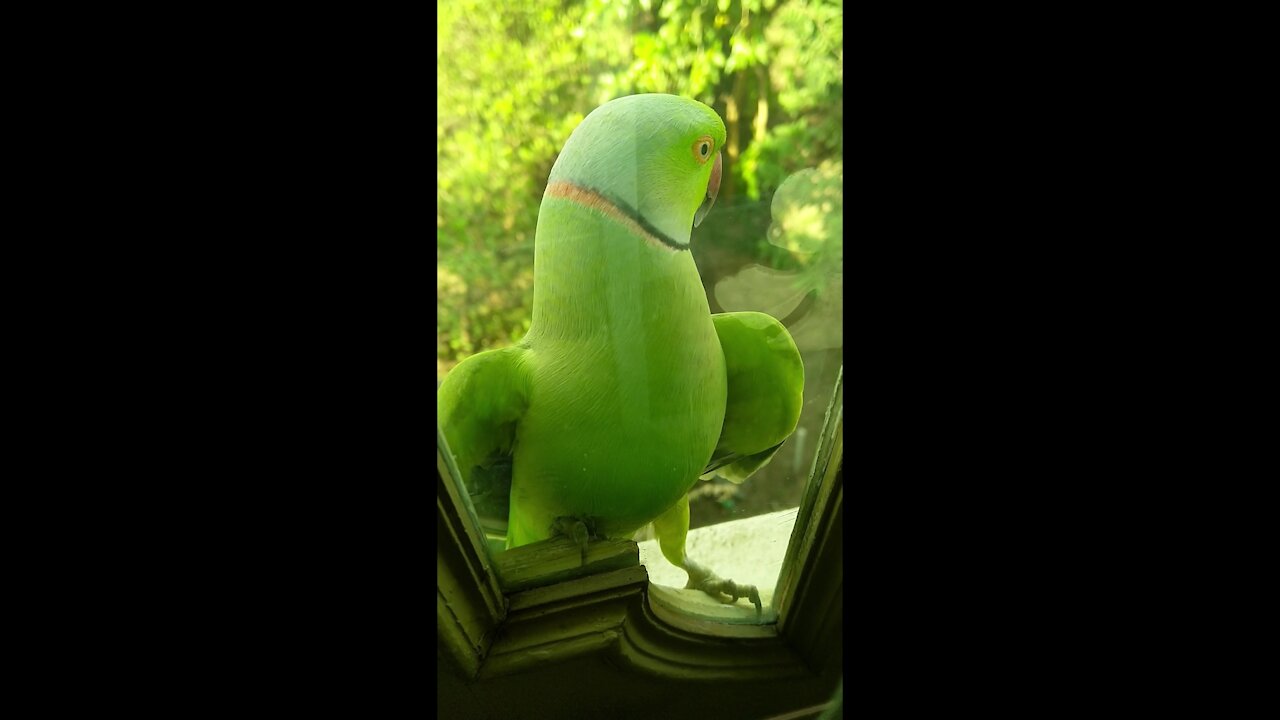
column 515, row 78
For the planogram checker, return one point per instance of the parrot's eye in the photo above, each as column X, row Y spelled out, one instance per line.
column 702, row 148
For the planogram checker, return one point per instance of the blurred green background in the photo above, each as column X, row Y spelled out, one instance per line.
column 515, row 78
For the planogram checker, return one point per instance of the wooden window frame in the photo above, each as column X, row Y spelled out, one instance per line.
column 550, row 606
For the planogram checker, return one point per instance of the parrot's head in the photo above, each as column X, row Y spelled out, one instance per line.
column 655, row 157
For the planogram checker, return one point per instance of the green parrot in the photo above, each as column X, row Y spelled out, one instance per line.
column 626, row 388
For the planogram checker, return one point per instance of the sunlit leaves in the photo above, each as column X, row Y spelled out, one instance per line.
column 807, row 69
column 515, row 78
column 512, row 83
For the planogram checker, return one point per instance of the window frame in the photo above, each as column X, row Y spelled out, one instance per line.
column 556, row 608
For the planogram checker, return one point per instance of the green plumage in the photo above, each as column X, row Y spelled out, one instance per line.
column 626, row 389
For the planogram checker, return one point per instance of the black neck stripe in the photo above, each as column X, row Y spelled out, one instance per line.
column 591, row 197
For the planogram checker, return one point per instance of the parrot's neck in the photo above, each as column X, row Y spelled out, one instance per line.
column 659, row 230
column 601, row 271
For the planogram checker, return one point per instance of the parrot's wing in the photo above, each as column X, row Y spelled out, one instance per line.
column 737, row 467
column 480, row 404
column 766, row 391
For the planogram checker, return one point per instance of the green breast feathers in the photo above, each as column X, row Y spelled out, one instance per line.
column 626, row 388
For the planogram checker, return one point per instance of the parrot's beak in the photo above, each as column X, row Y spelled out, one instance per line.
column 713, row 187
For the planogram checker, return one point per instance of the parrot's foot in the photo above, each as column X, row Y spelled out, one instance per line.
column 578, row 530
column 701, row 578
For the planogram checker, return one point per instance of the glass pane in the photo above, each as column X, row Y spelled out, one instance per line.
column 513, row 82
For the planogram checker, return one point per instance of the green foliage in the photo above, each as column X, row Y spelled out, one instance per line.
column 808, row 223
column 515, row 78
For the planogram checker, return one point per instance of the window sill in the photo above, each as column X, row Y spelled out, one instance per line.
column 748, row 551
column 542, row 604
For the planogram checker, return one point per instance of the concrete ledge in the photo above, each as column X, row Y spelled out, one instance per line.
column 747, row 551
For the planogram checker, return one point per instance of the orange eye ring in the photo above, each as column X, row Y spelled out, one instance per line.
column 703, row 148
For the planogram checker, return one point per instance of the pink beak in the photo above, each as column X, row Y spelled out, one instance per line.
column 713, row 188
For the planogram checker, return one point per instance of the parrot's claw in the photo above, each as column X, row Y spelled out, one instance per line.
column 576, row 529
column 701, row 578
